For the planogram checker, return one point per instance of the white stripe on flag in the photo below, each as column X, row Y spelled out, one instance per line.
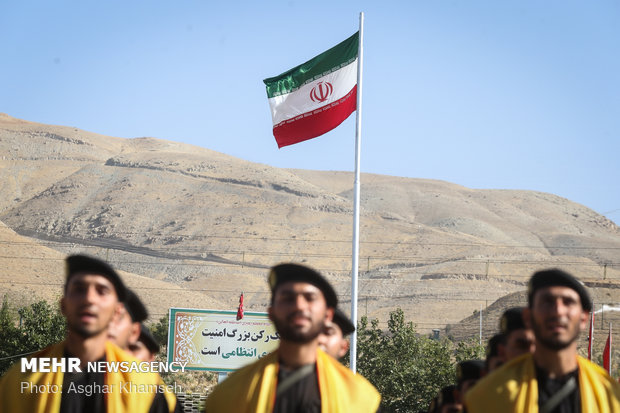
column 298, row 102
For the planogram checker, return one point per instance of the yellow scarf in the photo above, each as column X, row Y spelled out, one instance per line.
column 13, row 399
column 252, row 389
column 514, row 388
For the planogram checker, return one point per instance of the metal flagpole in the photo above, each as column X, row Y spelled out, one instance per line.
column 356, row 197
column 480, row 342
column 591, row 335
column 609, row 354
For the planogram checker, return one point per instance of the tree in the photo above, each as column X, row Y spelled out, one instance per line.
column 160, row 331
column 408, row 369
column 469, row 350
column 27, row 330
column 9, row 336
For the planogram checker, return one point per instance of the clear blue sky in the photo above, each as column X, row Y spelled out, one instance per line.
column 483, row 93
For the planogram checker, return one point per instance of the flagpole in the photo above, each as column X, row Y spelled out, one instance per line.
column 591, row 335
column 609, row 354
column 356, row 198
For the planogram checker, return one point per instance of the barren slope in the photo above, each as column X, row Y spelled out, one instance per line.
column 206, row 221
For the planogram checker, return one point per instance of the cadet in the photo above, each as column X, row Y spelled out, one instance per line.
column 468, row 373
column 446, row 401
column 554, row 378
column 298, row 376
column 146, row 347
column 124, row 330
column 93, row 293
column 493, row 359
column 332, row 339
column 518, row 338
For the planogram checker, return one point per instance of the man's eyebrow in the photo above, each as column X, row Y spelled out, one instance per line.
column 97, row 283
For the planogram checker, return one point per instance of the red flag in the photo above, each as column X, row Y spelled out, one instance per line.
column 591, row 336
column 607, row 353
column 240, row 309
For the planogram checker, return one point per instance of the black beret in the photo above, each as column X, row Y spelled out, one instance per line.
column 283, row 273
column 511, row 320
column 83, row 263
column 137, row 311
column 556, row 277
column 343, row 322
column 468, row 370
column 148, row 339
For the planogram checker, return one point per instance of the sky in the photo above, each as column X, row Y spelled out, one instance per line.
column 482, row 93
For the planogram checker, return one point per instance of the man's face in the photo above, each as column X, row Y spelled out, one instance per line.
column 299, row 312
column 332, row 341
column 556, row 317
column 518, row 342
column 89, row 304
column 123, row 331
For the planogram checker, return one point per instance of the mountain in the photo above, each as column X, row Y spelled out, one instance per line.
column 207, row 226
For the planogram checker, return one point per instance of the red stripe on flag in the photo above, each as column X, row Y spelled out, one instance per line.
column 315, row 123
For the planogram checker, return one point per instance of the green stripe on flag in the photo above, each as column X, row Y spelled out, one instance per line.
column 327, row 62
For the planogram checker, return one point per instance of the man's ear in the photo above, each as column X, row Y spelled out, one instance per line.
column 329, row 314
column 118, row 312
column 269, row 313
column 135, row 333
column 583, row 320
column 344, row 347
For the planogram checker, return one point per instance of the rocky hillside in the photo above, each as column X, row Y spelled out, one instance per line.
column 206, row 226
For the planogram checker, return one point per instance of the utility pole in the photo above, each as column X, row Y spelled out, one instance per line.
column 481, row 324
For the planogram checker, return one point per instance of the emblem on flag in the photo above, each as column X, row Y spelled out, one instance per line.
column 321, row 92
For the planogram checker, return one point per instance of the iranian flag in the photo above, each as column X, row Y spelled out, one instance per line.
column 314, row 97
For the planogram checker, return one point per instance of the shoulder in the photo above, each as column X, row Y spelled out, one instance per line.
column 14, row 381
column 132, row 369
column 355, row 379
column 246, row 380
column 142, row 388
column 334, row 376
column 13, row 375
column 501, row 386
column 248, row 373
column 15, row 371
column 593, row 369
column 513, row 370
column 598, row 390
column 594, row 372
